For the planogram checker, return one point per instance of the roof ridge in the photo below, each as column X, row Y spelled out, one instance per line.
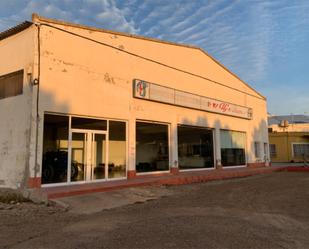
column 37, row 18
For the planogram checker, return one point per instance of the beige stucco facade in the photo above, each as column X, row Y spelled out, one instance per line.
column 89, row 72
column 284, row 139
column 17, row 52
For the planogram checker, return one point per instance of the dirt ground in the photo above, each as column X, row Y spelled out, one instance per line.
column 266, row 211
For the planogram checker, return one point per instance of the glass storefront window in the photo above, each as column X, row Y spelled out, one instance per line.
column 117, row 149
column 232, row 148
column 55, row 149
column 195, row 147
column 152, row 151
column 96, row 152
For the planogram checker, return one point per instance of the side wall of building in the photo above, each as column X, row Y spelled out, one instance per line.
column 90, row 79
column 17, row 53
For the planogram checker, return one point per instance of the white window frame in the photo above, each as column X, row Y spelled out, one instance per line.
column 213, row 145
column 246, row 159
column 273, row 155
column 292, row 147
column 169, row 139
column 69, row 182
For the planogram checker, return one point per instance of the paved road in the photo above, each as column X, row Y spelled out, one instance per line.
column 269, row 211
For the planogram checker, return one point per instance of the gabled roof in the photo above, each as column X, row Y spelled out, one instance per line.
column 14, row 30
column 37, row 18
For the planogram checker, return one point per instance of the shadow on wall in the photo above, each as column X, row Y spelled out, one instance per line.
column 197, row 143
column 18, row 137
column 234, row 148
column 51, row 134
column 259, row 145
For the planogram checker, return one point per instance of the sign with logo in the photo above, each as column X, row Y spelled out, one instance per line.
column 155, row 92
column 141, row 89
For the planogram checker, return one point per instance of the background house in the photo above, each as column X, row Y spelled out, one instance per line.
column 289, row 138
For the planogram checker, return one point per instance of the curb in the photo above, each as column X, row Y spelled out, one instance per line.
column 171, row 180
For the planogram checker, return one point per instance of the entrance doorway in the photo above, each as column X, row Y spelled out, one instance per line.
column 88, row 154
column 78, row 149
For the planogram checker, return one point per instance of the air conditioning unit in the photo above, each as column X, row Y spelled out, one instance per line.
column 284, row 123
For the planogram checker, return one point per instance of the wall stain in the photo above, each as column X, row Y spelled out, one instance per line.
column 121, row 47
column 26, row 172
column 67, row 63
column 5, row 148
column 136, row 107
column 95, row 74
column 47, row 53
column 109, row 79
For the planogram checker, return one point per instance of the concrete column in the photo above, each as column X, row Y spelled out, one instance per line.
column 131, row 147
column 34, row 171
column 173, row 147
column 217, row 144
column 34, row 175
column 267, row 156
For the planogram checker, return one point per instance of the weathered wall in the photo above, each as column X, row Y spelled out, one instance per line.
column 284, row 145
column 85, row 78
column 16, row 53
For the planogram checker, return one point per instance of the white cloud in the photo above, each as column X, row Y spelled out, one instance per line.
column 110, row 16
column 246, row 36
column 102, row 13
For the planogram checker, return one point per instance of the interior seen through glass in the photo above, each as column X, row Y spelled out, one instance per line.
column 195, row 147
column 88, row 156
column 89, row 123
column 152, row 152
column 233, row 144
column 55, row 149
column 78, row 155
column 117, row 149
column 89, row 149
column 98, row 156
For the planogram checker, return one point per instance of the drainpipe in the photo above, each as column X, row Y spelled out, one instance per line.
column 36, row 82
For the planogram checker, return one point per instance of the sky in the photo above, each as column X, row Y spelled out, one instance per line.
column 264, row 42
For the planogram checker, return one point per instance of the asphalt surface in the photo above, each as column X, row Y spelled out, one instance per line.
column 267, row 211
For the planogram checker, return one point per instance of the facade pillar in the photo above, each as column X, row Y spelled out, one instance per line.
column 174, row 164
column 33, row 174
column 131, row 148
column 217, row 143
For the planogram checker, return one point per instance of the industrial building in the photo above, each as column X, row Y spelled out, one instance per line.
column 80, row 105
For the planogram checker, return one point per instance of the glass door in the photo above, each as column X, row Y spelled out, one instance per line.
column 79, row 149
column 88, row 156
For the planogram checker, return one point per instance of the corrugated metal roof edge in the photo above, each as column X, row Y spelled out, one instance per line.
column 14, row 30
